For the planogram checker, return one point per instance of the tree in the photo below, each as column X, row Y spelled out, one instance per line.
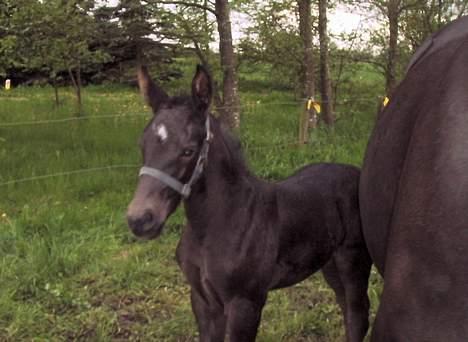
column 273, row 41
column 429, row 16
column 143, row 27
column 195, row 27
column 52, row 37
column 409, row 23
column 8, row 40
column 231, row 102
column 305, row 31
column 309, row 115
column 230, row 110
column 277, row 42
column 392, row 11
column 325, row 83
column 74, row 28
column 133, row 32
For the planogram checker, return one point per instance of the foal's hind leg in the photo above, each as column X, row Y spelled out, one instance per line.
column 210, row 318
column 348, row 275
column 332, row 276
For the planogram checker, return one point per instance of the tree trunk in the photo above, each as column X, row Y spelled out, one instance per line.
column 393, row 14
column 76, row 81
column 439, row 15
column 305, row 30
column 325, row 84
column 309, row 116
column 57, row 100
column 78, row 89
column 231, row 103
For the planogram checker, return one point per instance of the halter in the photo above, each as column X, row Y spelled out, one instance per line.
column 184, row 189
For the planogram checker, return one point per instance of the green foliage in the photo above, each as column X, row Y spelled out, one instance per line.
column 8, row 41
column 427, row 17
column 416, row 19
column 51, row 36
column 274, row 39
column 137, row 21
column 193, row 27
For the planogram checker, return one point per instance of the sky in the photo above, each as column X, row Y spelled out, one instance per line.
column 341, row 20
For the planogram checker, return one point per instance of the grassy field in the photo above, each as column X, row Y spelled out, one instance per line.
column 70, row 269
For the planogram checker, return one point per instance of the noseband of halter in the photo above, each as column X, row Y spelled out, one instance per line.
column 184, row 189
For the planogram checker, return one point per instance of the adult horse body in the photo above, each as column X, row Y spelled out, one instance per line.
column 414, row 196
column 245, row 236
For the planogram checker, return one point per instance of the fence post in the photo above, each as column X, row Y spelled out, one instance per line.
column 307, row 119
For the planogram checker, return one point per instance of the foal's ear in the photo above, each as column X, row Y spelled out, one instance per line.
column 201, row 88
column 154, row 95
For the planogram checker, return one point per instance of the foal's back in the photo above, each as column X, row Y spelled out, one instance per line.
column 323, row 179
column 317, row 190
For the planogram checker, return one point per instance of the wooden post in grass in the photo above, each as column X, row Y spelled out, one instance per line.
column 307, row 119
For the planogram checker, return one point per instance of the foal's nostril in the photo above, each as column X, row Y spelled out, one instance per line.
column 147, row 217
column 132, row 222
column 139, row 224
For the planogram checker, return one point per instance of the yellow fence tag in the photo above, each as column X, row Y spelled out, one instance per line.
column 386, row 101
column 316, row 105
column 8, row 84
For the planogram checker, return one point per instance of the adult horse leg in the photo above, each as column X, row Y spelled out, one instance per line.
column 210, row 318
column 244, row 318
column 348, row 275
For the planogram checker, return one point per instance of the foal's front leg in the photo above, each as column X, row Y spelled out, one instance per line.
column 244, row 318
column 210, row 318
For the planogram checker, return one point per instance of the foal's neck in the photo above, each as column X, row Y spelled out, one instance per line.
column 226, row 177
column 226, row 165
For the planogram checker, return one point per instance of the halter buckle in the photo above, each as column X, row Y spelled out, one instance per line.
column 186, row 190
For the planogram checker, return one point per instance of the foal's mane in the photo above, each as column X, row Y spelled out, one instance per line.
column 235, row 156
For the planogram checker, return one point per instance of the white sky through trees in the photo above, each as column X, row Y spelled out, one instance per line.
column 341, row 20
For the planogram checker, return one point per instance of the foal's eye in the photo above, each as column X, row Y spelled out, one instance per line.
column 187, row 152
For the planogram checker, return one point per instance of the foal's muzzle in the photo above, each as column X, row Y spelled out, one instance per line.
column 149, row 208
column 145, row 226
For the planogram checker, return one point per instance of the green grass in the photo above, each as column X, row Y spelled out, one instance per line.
column 69, row 268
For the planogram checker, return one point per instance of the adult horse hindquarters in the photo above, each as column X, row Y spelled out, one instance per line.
column 244, row 236
column 414, row 196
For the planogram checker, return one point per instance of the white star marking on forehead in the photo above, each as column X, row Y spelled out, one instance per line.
column 161, row 132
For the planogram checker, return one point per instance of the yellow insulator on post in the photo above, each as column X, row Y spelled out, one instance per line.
column 311, row 103
column 317, row 107
column 386, row 101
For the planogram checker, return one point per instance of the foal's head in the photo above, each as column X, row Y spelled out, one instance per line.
column 171, row 146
